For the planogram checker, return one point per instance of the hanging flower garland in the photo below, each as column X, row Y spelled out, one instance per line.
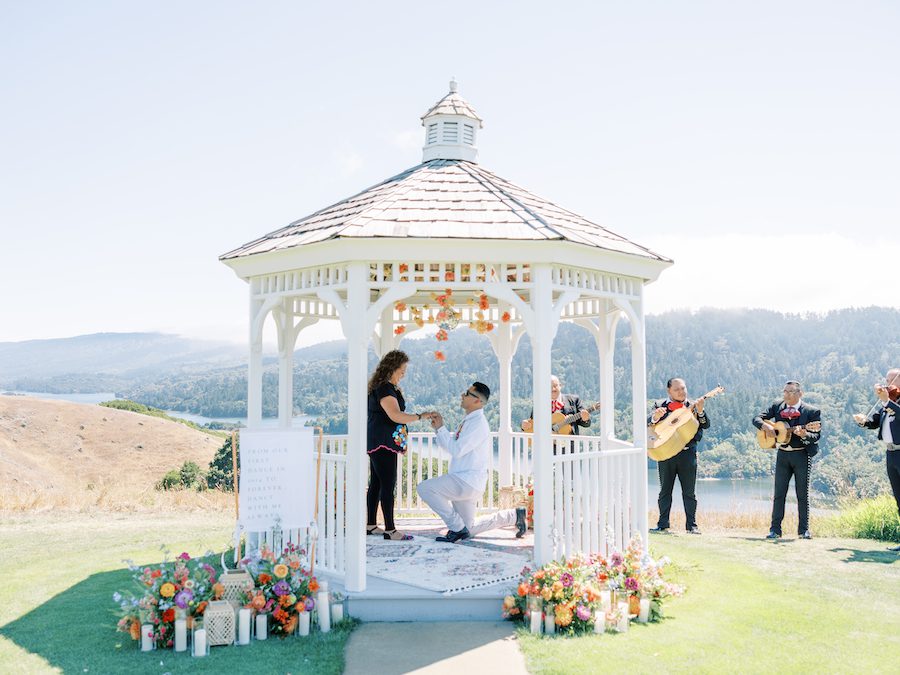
column 447, row 317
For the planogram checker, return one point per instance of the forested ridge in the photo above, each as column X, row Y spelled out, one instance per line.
column 837, row 357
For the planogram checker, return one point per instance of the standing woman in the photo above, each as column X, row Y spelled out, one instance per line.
column 387, row 434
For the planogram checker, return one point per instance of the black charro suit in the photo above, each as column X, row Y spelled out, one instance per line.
column 891, row 410
column 796, row 463
column 684, row 467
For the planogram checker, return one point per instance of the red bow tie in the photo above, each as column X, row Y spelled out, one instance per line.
column 556, row 406
column 790, row 414
column 675, row 405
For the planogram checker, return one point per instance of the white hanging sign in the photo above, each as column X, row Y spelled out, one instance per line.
column 277, row 478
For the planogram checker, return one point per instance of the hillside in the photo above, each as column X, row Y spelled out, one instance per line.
column 60, row 453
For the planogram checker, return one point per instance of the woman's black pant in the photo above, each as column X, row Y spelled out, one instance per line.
column 382, row 480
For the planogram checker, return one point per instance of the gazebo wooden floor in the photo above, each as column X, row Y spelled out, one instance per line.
column 385, row 600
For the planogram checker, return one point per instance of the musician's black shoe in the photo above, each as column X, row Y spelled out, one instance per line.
column 806, row 535
column 773, row 535
column 895, row 549
column 452, row 537
column 659, row 530
column 521, row 523
column 694, row 530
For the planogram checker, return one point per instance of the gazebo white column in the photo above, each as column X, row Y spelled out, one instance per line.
column 504, row 347
column 356, row 330
column 541, row 332
column 254, row 367
column 639, row 403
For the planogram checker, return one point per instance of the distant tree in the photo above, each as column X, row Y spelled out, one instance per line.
column 220, row 475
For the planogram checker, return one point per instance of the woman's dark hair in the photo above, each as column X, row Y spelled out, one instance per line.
column 386, row 367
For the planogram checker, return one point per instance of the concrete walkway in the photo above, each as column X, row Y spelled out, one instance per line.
column 445, row 647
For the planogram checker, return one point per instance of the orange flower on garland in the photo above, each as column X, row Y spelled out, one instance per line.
column 440, row 356
column 399, row 330
column 506, row 317
column 404, row 268
column 483, row 303
column 442, row 336
column 449, row 276
column 400, row 306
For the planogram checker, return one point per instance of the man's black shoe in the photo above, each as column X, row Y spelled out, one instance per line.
column 806, row 535
column 661, row 530
column 452, row 537
column 773, row 535
column 694, row 530
column 521, row 524
column 895, row 549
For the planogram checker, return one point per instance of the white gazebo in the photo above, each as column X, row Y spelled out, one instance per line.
column 450, row 223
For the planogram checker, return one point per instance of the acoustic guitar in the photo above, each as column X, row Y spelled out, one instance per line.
column 667, row 438
column 562, row 424
column 783, row 433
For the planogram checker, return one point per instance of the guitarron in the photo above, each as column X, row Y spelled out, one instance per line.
column 667, row 438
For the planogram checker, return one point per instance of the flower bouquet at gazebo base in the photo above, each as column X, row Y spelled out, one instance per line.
column 170, row 590
column 284, row 587
column 572, row 590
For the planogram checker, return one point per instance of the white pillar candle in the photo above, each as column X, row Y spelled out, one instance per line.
column 244, row 626
column 147, row 637
column 180, row 635
column 323, row 605
column 644, row 615
column 599, row 621
column 550, row 623
column 623, row 617
column 303, row 623
column 536, row 621
column 337, row 612
column 262, row 626
column 200, row 642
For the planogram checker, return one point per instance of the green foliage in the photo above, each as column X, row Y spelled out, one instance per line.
column 220, row 475
column 188, row 476
column 170, row 481
column 140, row 408
column 870, row 519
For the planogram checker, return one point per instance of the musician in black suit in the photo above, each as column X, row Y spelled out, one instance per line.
column 684, row 464
column 567, row 404
column 885, row 418
column 794, row 457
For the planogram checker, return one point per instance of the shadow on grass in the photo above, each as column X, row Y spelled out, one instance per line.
column 857, row 555
column 75, row 631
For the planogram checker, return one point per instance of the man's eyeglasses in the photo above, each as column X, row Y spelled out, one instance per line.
column 791, row 391
column 472, row 394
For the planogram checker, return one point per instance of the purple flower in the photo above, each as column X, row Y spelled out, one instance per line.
column 566, row 579
column 583, row 612
column 616, row 559
column 183, row 598
column 310, row 604
column 631, row 584
column 281, row 588
column 184, row 556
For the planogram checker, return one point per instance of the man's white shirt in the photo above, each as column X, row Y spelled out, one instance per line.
column 470, row 451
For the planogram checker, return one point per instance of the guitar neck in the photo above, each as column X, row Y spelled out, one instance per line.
column 574, row 416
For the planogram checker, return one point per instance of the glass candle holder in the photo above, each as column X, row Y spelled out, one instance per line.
column 199, row 639
column 535, row 613
column 549, row 619
column 181, row 630
column 262, row 626
column 303, row 620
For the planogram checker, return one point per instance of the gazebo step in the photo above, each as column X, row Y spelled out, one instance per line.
column 424, row 608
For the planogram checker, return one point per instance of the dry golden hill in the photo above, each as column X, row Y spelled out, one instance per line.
column 62, row 454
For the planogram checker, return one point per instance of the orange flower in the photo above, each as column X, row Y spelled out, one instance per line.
column 264, row 578
column 483, row 302
column 155, row 574
column 523, row 590
column 313, row 585
column 291, row 625
column 489, row 327
column 280, row 615
column 440, row 356
column 442, row 336
column 201, row 608
column 218, row 590
column 259, row 601
column 135, row 630
column 295, row 564
column 168, row 616
column 449, row 276
column 285, row 600
column 505, row 317
column 280, row 570
column 404, row 268
column 400, row 306
column 399, row 330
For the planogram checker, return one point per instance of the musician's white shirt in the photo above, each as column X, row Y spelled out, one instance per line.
column 886, row 434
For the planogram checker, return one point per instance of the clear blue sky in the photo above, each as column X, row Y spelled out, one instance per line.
column 756, row 143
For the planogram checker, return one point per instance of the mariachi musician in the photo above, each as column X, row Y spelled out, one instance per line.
column 884, row 417
column 684, row 464
column 567, row 404
column 795, row 456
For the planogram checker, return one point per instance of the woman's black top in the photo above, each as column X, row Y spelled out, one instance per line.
column 384, row 433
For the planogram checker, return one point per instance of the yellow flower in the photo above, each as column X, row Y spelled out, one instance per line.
column 167, row 590
column 280, row 571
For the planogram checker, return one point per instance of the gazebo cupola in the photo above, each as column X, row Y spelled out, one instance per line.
column 451, row 129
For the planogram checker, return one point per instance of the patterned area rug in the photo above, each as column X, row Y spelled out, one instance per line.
column 446, row 568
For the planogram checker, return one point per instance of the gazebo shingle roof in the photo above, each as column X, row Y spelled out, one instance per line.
column 444, row 198
column 453, row 104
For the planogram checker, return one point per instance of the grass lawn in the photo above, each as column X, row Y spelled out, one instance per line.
column 754, row 606
column 57, row 612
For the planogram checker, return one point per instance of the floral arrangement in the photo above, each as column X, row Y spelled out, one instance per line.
column 169, row 590
column 447, row 317
column 284, row 587
column 572, row 590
